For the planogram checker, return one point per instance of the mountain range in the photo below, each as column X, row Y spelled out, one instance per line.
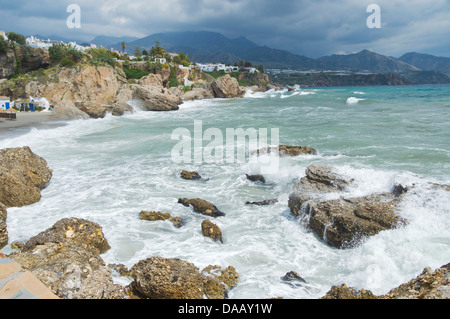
column 207, row 47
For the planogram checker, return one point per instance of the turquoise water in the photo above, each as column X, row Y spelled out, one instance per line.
column 110, row 169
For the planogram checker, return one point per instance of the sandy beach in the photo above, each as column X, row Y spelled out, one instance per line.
column 29, row 120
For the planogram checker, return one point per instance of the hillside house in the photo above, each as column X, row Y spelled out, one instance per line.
column 5, row 103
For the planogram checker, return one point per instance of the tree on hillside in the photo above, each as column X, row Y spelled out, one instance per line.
column 157, row 50
column 124, row 45
column 17, row 38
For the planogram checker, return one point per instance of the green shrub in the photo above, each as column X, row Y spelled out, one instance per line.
column 3, row 45
column 102, row 56
column 135, row 73
column 66, row 62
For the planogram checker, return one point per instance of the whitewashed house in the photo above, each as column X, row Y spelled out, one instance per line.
column 5, row 103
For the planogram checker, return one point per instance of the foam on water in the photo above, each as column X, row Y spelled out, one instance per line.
column 110, row 169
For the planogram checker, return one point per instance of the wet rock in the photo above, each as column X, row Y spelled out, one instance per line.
column 73, row 232
column 211, row 230
column 256, row 178
column 66, row 258
column 154, row 99
column 201, row 206
column 3, row 229
column 227, row 87
column 399, row 190
column 190, row 175
column 219, row 281
column 161, row 278
column 344, row 292
column 264, row 202
column 287, row 150
column 293, row 279
column 198, row 94
column 428, row 285
column 345, row 222
column 319, row 180
column 23, row 175
column 95, row 110
column 153, row 216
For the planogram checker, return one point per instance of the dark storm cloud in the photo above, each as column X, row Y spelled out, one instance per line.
column 309, row 27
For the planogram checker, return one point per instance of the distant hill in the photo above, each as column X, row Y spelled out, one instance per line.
column 427, row 62
column 108, row 42
column 365, row 60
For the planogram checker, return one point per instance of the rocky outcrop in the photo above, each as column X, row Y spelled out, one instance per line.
column 342, row 222
column 153, row 99
column 66, row 258
column 227, row 87
column 286, row 150
column 201, row 206
column 154, row 216
column 428, row 285
column 161, row 278
column 23, row 175
column 8, row 64
column 198, row 94
column 256, row 178
column 211, row 230
column 3, row 230
column 265, row 202
column 190, row 175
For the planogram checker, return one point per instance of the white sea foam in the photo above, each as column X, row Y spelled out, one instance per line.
column 353, row 100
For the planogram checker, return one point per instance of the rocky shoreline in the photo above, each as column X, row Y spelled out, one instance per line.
column 67, row 256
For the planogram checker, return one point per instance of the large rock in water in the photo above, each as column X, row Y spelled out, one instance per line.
column 66, row 258
column 342, row 222
column 3, row 230
column 227, row 87
column 161, row 278
column 152, row 98
column 23, row 175
column 202, row 206
column 286, row 150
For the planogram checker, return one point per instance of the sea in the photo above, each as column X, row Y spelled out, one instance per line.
column 109, row 170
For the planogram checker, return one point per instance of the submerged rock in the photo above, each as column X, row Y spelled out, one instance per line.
column 219, row 281
column 201, row 206
column 256, row 178
column 264, row 202
column 153, row 216
column 287, row 150
column 211, row 230
column 23, row 175
column 3, row 230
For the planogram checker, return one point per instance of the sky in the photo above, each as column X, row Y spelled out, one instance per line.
column 312, row 28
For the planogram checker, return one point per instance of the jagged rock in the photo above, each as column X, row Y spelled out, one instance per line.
column 287, row 150
column 344, row 292
column 219, row 281
column 227, row 87
column 153, row 216
column 265, row 202
column 256, row 178
column 343, row 223
column 211, row 230
column 201, row 206
column 72, row 231
column 319, row 179
column 161, row 278
column 66, row 258
column 23, row 175
column 8, row 64
column 428, row 285
column 3, row 229
column 190, row 175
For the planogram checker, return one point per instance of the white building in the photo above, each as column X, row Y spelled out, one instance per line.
column 5, row 103
column 3, row 34
column 217, row 67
